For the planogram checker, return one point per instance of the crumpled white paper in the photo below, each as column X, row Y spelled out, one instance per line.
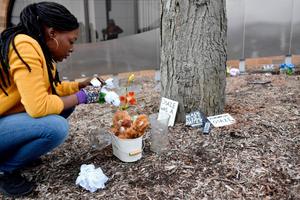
column 90, row 178
column 234, row 72
column 112, row 98
column 110, row 83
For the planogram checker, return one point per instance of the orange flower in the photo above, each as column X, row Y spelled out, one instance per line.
column 131, row 94
column 122, row 99
column 129, row 97
column 132, row 101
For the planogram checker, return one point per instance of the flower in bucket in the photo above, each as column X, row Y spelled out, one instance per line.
column 129, row 98
column 124, row 125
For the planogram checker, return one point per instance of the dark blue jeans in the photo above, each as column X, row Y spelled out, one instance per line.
column 24, row 139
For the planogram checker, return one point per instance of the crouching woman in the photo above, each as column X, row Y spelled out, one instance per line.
column 34, row 103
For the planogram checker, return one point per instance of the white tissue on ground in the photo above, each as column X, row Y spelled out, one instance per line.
column 91, row 178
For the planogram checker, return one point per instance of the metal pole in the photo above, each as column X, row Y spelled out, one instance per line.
column 242, row 66
column 136, row 16
column 244, row 30
column 292, row 29
column 87, row 20
column 108, row 9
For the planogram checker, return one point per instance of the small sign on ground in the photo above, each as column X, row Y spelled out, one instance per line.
column 221, row 120
column 168, row 106
column 195, row 119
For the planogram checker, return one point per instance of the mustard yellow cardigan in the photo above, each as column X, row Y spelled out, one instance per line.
column 30, row 91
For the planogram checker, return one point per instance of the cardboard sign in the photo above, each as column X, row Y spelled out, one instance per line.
column 194, row 119
column 221, row 120
column 170, row 107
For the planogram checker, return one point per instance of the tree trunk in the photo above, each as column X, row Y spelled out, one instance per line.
column 193, row 54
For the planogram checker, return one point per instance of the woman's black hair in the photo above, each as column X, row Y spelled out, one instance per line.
column 32, row 19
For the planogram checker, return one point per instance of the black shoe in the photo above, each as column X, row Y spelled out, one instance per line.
column 34, row 163
column 14, row 185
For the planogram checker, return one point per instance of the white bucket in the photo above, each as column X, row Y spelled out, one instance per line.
column 127, row 150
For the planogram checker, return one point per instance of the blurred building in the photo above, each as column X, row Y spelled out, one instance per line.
column 256, row 28
column 133, row 16
column 136, row 48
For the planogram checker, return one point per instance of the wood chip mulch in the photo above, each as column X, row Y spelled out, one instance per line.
column 256, row 158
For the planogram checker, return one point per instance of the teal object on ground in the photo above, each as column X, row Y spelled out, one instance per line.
column 289, row 69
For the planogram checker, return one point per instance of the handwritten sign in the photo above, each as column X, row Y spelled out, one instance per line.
column 170, row 107
column 221, row 120
column 194, row 119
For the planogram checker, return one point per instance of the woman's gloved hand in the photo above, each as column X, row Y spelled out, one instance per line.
column 88, row 95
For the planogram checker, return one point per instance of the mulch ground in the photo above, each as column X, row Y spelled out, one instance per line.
column 256, row 158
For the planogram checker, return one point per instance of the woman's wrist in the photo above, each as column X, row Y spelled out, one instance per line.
column 81, row 85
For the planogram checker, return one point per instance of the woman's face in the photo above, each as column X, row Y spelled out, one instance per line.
column 60, row 43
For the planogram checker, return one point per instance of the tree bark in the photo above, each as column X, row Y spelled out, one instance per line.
column 193, row 54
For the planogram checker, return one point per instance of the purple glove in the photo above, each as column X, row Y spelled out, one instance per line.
column 88, row 95
column 81, row 97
